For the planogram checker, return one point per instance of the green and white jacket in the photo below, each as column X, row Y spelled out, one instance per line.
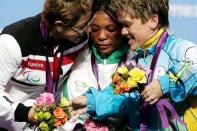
column 82, row 77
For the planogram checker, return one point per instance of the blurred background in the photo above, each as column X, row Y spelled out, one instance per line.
column 183, row 18
column 183, row 15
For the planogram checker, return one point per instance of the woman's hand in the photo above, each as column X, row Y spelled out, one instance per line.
column 152, row 92
column 79, row 105
column 31, row 116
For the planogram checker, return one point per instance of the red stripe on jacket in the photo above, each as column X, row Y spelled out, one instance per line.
column 41, row 64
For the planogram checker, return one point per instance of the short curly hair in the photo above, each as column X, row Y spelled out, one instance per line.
column 144, row 9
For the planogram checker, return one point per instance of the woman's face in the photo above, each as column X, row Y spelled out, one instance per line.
column 105, row 33
column 76, row 33
column 136, row 31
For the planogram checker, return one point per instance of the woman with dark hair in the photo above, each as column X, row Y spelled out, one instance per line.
column 107, row 49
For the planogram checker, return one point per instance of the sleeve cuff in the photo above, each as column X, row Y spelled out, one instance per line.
column 91, row 106
column 21, row 113
column 164, row 83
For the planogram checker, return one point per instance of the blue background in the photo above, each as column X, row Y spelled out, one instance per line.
column 14, row 10
column 183, row 15
column 183, row 18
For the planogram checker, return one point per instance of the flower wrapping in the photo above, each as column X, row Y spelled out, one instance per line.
column 91, row 125
column 50, row 113
column 129, row 77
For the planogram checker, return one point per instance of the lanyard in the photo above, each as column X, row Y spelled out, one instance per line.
column 95, row 70
column 50, row 81
column 156, row 55
column 144, row 116
column 145, row 107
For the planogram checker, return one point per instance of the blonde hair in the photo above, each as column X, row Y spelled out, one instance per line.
column 144, row 9
column 68, row 11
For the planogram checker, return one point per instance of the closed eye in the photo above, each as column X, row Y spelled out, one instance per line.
column 94, row 28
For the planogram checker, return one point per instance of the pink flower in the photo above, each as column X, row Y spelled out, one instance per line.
column 49, row 100
column 39, row 101
column 90, row 125
column 44, row 95
column 147, row 70
column 133, row 62
column 48, row 97
column 45, row 98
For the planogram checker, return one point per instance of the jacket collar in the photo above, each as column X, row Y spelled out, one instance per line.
column 149, row 46
column 113, row 57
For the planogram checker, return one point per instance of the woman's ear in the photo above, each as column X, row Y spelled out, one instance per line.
column 59, row 25
column 154, row 21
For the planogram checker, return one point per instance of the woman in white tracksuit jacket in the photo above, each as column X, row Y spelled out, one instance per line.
column 24, row 46
column 107, row 50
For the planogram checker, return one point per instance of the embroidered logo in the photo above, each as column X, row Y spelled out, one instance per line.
column 27, row 76
column 190, row 55
column 159, row 71
column 81, row 86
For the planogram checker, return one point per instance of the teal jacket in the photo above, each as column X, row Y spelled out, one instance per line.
column 177, row 62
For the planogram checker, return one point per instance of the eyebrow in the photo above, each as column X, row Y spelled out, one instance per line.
column 93, row 25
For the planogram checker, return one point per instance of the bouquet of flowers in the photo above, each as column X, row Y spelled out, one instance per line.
column 129, row 77
column 50, row 113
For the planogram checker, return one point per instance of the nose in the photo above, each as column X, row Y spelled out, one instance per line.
column 124, row 31
column 102, row 35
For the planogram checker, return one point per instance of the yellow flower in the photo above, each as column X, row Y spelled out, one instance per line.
column 123, row 70
column 63, row 102
column 131, row 82
column 138, row 75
